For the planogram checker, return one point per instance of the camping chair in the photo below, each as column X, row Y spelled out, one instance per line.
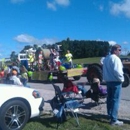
column 62, row 105
column 96, row 95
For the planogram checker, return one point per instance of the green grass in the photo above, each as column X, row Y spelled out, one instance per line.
column 87, row 60
column 94, row 122
column 91, row 60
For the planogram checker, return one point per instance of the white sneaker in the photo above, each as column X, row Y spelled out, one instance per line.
column 117, row 123
column 76, row 110
column 55, row 112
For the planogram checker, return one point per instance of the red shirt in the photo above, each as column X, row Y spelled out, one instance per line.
column 1, row 74
column 69, row 86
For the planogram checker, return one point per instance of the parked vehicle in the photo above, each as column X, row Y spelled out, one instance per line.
column 18, row 105
column 76, row 73
column 95, row 71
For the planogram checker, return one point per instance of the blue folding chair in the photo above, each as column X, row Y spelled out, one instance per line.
column 61, row 105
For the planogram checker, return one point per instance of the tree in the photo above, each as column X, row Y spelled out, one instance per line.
column 13, row 56
column 35, row 46
column 44, row 46
column 26, row 48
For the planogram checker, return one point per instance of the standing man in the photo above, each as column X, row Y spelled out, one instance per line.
column 69, row 58
column 113, row 75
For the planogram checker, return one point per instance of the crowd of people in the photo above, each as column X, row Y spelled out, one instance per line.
column 112, row 75
column 18, row 75
column 51, row 63
column 21, row 72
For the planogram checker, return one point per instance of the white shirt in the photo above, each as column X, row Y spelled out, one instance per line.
column 16, row 80
column 101, row 60
column 113, row 69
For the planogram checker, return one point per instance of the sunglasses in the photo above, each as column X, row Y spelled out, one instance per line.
column 119, row 49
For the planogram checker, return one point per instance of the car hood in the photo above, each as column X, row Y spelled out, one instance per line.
column 8, row 92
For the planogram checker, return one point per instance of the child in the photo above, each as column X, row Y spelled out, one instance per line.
column 69, row 86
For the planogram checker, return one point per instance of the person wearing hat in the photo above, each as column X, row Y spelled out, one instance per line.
column 15, row 78
column 14, row 66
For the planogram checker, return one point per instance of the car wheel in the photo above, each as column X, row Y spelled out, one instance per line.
column 14, row 115
column 60, row 78
column 126, row 81
column 77, row 77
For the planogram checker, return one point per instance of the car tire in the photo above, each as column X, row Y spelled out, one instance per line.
column 14, row 115
column 60, row 77
column 94, row 71
column 126, row 81
column 76, row 77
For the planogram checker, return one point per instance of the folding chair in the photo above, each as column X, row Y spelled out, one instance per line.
column 96, row 95
column 62, row 105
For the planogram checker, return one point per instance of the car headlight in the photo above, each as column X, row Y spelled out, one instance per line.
column 36, row 94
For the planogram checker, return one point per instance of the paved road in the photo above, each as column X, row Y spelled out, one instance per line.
column 47, row 91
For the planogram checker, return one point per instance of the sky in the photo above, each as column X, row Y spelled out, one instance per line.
column 29, row 22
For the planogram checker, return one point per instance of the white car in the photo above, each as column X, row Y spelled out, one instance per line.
column 17, row 105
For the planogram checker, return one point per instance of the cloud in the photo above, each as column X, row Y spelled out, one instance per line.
column 112, row 43
column 16, row 1
column 125, row 42
column 27, row 39
column 53, row 5
column 121, row 8
column 63, row 2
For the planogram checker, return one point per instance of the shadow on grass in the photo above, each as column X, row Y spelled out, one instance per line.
column 100, row 117
column 86, row 120
column 48, row 122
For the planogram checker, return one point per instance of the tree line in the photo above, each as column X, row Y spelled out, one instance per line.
column 85, row 49
column 79, row 48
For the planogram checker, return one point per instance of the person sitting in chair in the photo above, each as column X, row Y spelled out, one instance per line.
column 96, row 91
column 102, row 91
column 69, row 86
column 15, row 78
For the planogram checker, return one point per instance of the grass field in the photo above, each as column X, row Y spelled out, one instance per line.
column 94, row 122
column 87, row 60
